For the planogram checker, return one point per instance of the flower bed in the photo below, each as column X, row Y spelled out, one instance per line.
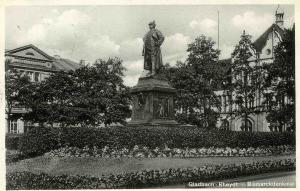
column 145, row 178
column 145, row 152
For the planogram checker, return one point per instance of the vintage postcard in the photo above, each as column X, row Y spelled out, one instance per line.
column 148, row 95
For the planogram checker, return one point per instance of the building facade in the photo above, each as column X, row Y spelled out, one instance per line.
column 38, row 65
column 263, row 53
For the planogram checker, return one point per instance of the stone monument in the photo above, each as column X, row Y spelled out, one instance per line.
column 153, row 96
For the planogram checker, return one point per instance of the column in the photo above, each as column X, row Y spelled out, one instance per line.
column 222, row 103
column 225, row 102
column 20, row 126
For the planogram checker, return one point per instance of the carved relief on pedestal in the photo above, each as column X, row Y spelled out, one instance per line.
column 141, row 101
column 162, row 107
column 139, row 106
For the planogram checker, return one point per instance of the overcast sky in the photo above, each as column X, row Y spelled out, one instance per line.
column 91, row 32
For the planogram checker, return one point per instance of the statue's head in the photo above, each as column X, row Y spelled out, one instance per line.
column 152, row 25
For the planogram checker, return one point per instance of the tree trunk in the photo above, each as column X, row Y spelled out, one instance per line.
column 245, row 122
column 245, row 114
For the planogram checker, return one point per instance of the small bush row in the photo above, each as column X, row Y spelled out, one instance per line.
column 13, row 156
column 12, row 141
column 41, row 140
column 145, row 152
column 145, row 178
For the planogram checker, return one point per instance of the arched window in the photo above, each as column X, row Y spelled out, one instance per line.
column 246, row 127
column 225, row 124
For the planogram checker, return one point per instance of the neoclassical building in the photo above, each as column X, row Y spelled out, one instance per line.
column 38, row 65
column 263, row 52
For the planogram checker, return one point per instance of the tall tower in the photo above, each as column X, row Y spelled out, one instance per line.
column 279, row 16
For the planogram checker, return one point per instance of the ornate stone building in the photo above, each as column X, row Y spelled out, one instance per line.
column 263, row 53
column 38, row 65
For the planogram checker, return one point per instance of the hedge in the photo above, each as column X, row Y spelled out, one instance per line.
column 13, row 156
column 145, row 178
column 12, row 141
column 40, row 140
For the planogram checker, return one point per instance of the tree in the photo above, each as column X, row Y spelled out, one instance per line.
column 195, row 100
column 245, row 83
column 52, row 101
column 102, row 93
column 18, row 91
column 281, row 83
column 90, row 95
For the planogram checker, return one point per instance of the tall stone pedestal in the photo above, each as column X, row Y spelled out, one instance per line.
column 153, row 103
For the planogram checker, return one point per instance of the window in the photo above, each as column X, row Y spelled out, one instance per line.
column 13, row 126
column 230, row 103
column 246, row 77
column 225, row 103
column 22, row 72
column 30, row 75
column 247, row 127
column 276, row 127
column 49, row 65
column 239, row 76
column 251, row 101
column 225, row 124
column 29, row 54
column 36, row 77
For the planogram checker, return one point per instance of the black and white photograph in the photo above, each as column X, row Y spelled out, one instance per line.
column 149, row 95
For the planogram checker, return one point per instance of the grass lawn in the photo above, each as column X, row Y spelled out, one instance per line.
column 99, row 166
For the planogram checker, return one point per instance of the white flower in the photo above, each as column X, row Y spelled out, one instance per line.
column 136, row 147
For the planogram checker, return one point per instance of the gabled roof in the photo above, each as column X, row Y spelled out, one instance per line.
column 12, row 51
column 261, row 41
column 65, row 64
column 57, row 63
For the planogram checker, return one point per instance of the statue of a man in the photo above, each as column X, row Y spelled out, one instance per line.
column 151, row 51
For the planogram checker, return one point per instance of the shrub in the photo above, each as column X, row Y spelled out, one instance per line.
column 145, row 178
column 41, row 140
column 12, row 141
column 13, row 156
